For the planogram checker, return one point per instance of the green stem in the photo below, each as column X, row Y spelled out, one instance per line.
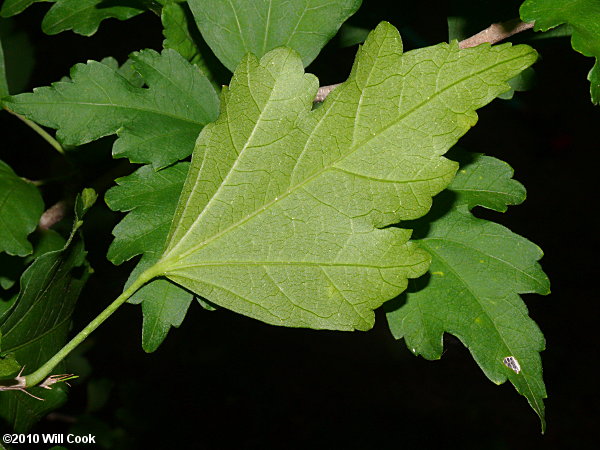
column 43, row 372
column 39, row 130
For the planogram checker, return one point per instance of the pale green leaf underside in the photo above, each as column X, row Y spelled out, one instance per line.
column 478, row 269
column 233, row 28
column 282, row 212
column 157, row 125
column 21, row 206
column 583, row 17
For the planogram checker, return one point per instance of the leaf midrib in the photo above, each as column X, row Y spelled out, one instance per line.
column 333, row 162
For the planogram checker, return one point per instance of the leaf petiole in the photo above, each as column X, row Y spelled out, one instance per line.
column 43, row 372
column 39, row 130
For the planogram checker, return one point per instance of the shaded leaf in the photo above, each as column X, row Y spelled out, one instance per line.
column 157, row 125
column 478, row 269
column 18, row 57
column 84, row 16
column 21, row 207
column 3, row 80
column 81, row 16
column 11, row 267
column 38, row 324
column 283, row 212
column 13, row 7
column 583, row 17
column 484, row 181
column 9, row 366
column 236, row 27
column 164, row 305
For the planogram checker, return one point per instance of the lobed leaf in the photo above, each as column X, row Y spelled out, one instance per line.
column 178, row 36
column 150, row 198
column 157, row 125
column 478, row 269
column 21, row 207
column 165, row 305
column 284, row 214
column 81, row 16
column 583, row 17
column 84, row 16
column 236, row 27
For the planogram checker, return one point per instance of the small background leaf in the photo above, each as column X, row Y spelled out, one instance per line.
column 21, row 207
column 3, row 80
column 38, row 325
column 234, row 28
column 84, row 16
column 164, row 305
column 478, row 269
column 583, row 17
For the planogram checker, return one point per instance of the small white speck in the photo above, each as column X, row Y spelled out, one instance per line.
column 512, row 363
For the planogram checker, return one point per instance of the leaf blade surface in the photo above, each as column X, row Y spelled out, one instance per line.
column 583, row 16
column 236, row 27
column 21, row 207
column 281, row 215
column 157, row 125
column 478, row 270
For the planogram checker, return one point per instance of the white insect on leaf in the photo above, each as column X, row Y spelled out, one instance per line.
column 512, row 363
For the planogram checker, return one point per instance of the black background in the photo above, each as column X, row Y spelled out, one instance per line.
column 225, row 381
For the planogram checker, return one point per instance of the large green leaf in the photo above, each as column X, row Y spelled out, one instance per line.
column 478, row 269
column 583, row 16
column 284, row 213
column 21, row 207
column 158, row 125
column 38, row 323
column 235, row 27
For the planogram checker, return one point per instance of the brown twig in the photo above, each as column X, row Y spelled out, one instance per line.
column 493, row 34
column 53, row 215
column 496, row 32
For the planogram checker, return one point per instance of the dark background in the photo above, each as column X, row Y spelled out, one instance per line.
column 225, row 381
